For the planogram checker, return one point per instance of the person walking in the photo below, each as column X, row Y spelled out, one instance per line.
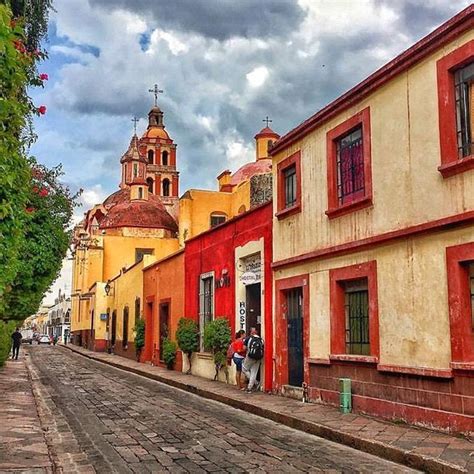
column 238, row 356
column 254, row 347
column 16, row 341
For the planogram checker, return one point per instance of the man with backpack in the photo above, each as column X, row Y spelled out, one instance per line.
column 253, row 359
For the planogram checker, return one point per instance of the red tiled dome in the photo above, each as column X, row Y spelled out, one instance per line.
column 250, row 169
column 150, row 214
column 123, row 195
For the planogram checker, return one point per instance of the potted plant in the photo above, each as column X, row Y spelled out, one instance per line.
column 187, row 337
column 169, row 352
column 217, row 338
column 139, row 330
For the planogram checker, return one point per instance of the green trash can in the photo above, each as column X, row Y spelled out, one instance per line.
column 345, row 395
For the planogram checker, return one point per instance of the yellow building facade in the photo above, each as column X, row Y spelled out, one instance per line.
column 249, row 186
column 367, row 214
column 136, row 222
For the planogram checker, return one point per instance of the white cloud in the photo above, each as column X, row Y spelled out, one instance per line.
column 92, row 196
column 175, row 45
column 258, row 76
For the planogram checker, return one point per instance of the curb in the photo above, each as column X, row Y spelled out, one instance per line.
column 376, row 448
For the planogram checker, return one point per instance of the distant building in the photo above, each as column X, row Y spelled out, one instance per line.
column 59, row 317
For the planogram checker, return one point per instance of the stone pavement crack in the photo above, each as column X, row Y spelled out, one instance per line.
column 122, row 422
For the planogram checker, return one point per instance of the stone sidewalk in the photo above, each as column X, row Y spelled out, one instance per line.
column 418, row 448
column 23, row 445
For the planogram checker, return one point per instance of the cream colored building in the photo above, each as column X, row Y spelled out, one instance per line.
column 374, row 239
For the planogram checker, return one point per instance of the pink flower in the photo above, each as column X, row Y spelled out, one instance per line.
column 35, row 189
column 29, row 210
column 42, row 109
column 44, row 192
column 44, row 77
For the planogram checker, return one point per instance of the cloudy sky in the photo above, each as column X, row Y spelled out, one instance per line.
column 223, row 65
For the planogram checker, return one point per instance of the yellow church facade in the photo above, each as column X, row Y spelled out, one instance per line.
column 144, row 222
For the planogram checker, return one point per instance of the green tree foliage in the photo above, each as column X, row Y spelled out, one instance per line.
column 217, row 338
column 169, row 352
column 35, row 208
column 34, row 14
column 14, row 169
column 49, row 210
column 6, row 330
column 187, row 337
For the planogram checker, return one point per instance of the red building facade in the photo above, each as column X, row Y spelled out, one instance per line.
column 228, row 275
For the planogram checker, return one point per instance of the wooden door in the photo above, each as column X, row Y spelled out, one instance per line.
column 294, row 302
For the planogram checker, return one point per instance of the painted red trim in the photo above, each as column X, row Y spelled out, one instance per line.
column 446, row 33
column 316, row 361
column 335, row 208
column 371, row 242
column 288, row 211
column 282, row 211
column 459, row 302
column 420, row 371
column 281, row 349
column 462, row 366
column 450, row 163
column 354, row 358
column 337, row 276
column 460, row 166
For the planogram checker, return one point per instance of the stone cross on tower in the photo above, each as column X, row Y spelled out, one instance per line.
column 155, row 91
column 266, row 119
column 135, row 120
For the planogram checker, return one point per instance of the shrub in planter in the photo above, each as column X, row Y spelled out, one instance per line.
column 169, row 352
column 217, row 337
column 139, row 330
column 187, row 337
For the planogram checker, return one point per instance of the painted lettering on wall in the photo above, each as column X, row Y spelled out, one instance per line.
column 242, row 314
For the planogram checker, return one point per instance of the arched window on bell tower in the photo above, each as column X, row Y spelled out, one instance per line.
column 149, row 181
column 164, row 158
column 166, row 187
column 150, row 157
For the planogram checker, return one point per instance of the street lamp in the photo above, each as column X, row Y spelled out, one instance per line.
column 107, row 288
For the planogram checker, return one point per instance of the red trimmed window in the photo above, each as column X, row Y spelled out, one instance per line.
column 349, row 165
column 456, row 110
column 289, row 186
column 460, row 273
column 354, row 312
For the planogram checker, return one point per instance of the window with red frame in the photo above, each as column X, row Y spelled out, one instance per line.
column 289, row 176
column 357, row 316
column 464, row 93
column 354, row 311
column 350, row 166
column 460, row 273
column 455, row 76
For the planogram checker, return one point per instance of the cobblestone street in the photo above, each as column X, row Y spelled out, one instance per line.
column 119, row 422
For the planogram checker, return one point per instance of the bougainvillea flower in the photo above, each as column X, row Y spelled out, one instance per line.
column 35, row 189
column 44, row 192
column 29, row 210
column 42, row 109
column 44, row 77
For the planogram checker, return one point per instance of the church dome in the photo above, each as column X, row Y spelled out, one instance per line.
column 149, row 214
column 245, row 172
column 267, row 132
column 156, row 132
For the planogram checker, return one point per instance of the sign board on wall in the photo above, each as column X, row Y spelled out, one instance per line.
column 252, row 269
